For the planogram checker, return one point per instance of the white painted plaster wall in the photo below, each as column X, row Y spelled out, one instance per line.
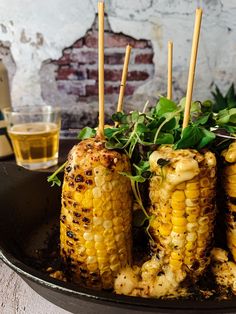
column 39, row 30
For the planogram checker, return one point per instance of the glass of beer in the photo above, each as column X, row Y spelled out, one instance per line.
column 34, row 133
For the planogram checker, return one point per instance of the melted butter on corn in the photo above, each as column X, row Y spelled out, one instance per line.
column 186, row 186
column 229, row 186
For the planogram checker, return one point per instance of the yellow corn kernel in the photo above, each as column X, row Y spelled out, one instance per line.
column 165, row 229
column 232, row 207
column 191, row 236
column 177, row 205
column 230, row 170
column 194, row 210
column 189, row 253
column 176, row 255
column 178, row 213
column 91, row 252
column 192, row 185
column 231, row 179
column 203, row 220
column 92, row 267
column 100, row 246
column 206, row 192
column 89, row 244
column 201, row 243
column 181, row 186
column 78, row 197
column 179, row 221
column 203, row 229
column 204, row 182
column 192, row 226
column 115, row 267
column 192, row 193
column 188, row 260
column 178, row 196
column 231, row 192
column 191, row 202
column 180, row 229
column 176, row 264
column 191, row 245
column 192, row 218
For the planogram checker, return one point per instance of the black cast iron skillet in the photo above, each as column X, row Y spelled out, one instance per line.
column 29, row 211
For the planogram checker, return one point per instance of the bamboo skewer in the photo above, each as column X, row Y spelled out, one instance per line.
column 100, row 131
column 169, row 76
column 123, row 79
column 192, row 66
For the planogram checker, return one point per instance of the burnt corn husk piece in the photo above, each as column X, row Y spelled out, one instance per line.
column 229, row 186
column 95, row 229
column 183, row 210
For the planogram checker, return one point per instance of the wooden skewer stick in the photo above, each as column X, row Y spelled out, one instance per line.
column 123, row 79
column 100, row 131
column 170, row 62
column 192, row 66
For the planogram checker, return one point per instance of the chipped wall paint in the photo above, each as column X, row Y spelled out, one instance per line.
column 38, row 31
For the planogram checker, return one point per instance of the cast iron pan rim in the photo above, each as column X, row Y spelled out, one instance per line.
column 108, row 297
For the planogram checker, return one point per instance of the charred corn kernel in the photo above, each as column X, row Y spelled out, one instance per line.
column 97, row 206
column 192, row 193
column 182, row 204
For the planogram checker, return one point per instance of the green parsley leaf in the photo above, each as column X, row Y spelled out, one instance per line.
column 85, row 133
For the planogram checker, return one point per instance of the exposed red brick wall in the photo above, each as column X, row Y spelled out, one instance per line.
column 77, row 71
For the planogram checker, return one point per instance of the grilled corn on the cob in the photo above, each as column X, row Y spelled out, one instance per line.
column 182, row 192
column 229, row 184
column 95, row 232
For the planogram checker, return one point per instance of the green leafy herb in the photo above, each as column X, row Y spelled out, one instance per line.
column 86, row 132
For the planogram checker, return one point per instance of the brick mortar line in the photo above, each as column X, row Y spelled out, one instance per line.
column 110, row 50
column 132, row 67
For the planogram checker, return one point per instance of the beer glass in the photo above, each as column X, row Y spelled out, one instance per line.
column 34, row 133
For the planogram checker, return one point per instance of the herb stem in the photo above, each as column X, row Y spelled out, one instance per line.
column 51, row 177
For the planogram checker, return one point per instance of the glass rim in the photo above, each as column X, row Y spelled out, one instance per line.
column 31, row 109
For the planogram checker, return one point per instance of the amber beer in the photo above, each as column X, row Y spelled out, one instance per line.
column 34, row 133
column 35, row 143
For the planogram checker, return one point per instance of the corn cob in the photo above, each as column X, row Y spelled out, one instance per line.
column 182, row 192
column 95, row 229
column 229, row 184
